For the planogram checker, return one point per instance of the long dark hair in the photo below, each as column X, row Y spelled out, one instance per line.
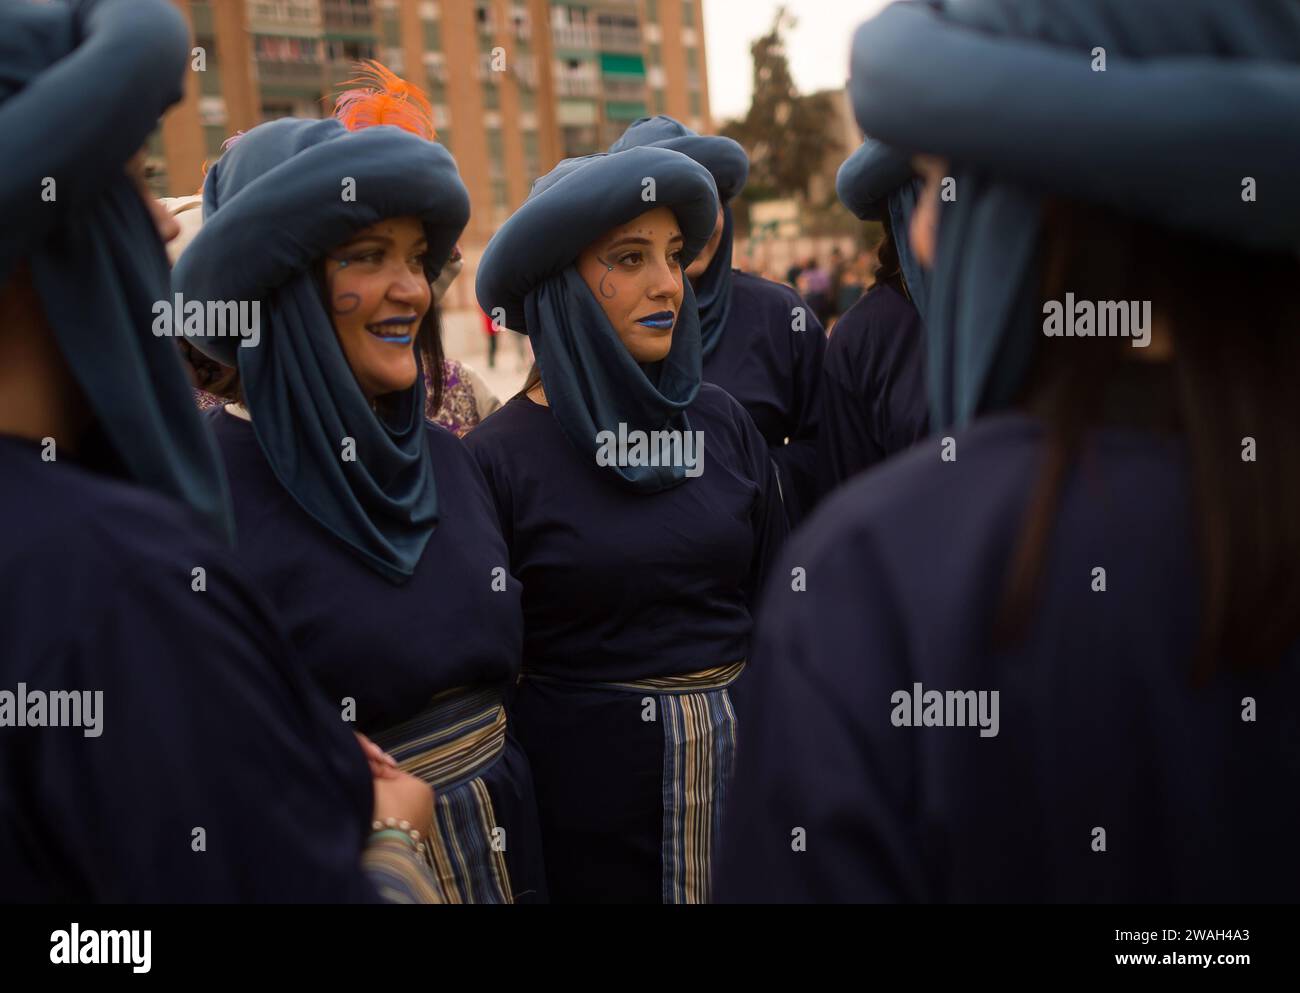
column 890, row 272
column 1233, row 318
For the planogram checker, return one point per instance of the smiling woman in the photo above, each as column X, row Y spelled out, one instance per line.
column 378, row 295
column 339, row 517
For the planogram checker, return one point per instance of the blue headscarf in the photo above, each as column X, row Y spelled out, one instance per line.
column 273, row 205
column 1196, row 96
column 527, row 274
column 875, row 181
column 729, row 165
column 82, row 85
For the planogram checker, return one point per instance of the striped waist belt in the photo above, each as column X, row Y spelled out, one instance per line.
column 717, row 678
column 457, row 737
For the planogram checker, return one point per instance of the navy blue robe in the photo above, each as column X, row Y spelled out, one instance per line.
column 774, row 371
column 393, row 647
column 873, row 394
column 621, row 586
column 207, row 722
column 1099, row 726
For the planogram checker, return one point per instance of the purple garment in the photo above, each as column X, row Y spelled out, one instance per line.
column 775, row 370
column 1099, row 725
column 459, row 411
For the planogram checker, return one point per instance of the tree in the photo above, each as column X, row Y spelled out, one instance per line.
column 783, row 132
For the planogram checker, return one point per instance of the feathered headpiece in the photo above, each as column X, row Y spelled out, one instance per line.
column 380, row 96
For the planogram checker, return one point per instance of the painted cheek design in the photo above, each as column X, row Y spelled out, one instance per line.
column 346, row 303
column 608, row 269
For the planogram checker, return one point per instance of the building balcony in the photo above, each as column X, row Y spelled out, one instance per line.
column 577, row 86
column 572, row 36
column 294, row 17
column 346, row 16
column 299, row 75
column 624, row 88
column 620, row 39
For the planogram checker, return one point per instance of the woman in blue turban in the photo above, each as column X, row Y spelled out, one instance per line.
column 761, row 342
column 641, row 509
column 1053, row 653
column 873, row 399
column 370, row 529
column 158, row 740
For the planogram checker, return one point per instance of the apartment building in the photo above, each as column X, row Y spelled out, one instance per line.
column 516, row 84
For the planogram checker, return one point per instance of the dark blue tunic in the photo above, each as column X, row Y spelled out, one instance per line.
column 621, row 586
column 392, row 648
column 207, row 722
column 873, row 394
column 1099, row 725
column 774, row 371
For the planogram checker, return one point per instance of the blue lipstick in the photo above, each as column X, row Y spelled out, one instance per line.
column 660, row 321
column 394, row 339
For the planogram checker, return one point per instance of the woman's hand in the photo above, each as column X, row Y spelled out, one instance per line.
column 382, row 765
column 405, row 798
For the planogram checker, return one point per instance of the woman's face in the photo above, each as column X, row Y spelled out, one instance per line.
column 635, row 272
column 378, row 295
column 924, row 229
column 701, row 262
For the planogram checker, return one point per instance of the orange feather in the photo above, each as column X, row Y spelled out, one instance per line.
column 380, row 96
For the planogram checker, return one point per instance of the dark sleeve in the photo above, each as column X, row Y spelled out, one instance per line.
column 796, row 460
column 845, row 442
column 217, row 774
column 819, row 765
column 768, row 516
column 481, row 448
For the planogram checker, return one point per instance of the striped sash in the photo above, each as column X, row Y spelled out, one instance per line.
column 699, row 728
column 450, row 745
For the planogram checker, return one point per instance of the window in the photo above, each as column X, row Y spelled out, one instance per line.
column 491, row 97
column 688, row 13
column 695, row 102
column 433, row 36
column 692, row 59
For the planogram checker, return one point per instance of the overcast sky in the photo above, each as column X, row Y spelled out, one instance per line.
column 818, row 48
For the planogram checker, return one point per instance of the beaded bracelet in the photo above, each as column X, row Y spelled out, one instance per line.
column 403, row 827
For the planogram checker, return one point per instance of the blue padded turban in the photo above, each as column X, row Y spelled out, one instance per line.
column 1196, row 96
column 273, row 206
column 527, row 272
column 82, row 85
column 874, row 182
column 729, row 165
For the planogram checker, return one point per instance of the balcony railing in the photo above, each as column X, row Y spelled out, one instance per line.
column 620, row 38
column 628, row 88
column 285, row 13
column 350, row 16
column 577, row 86
column 281, row 73
column 573, row 36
